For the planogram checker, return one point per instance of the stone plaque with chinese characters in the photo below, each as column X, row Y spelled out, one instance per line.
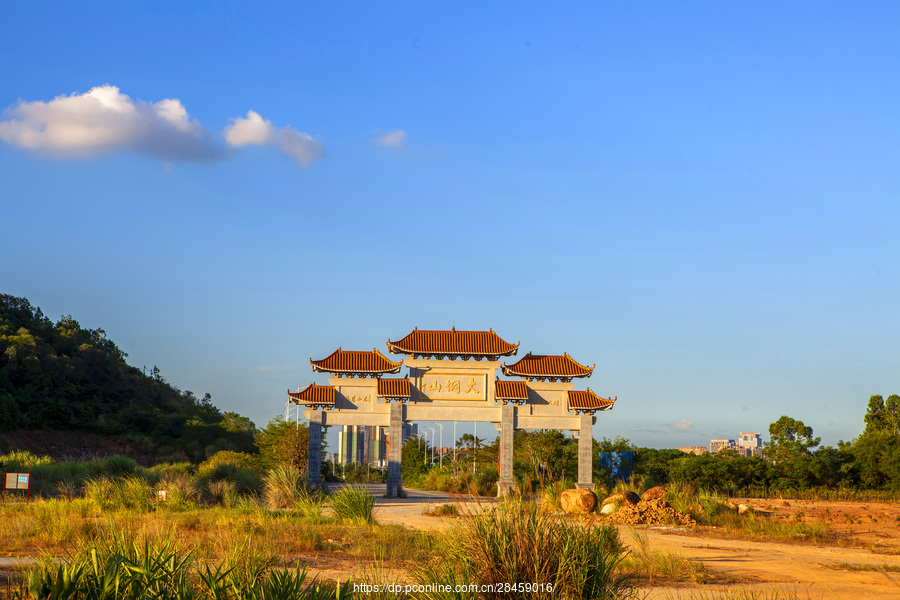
column 452, row 386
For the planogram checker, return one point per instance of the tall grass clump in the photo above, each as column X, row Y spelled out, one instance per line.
column 310, row 504
column 223, row 492
column 517, row 542
column 181, row 489
column 553, row 491
column 354, row 503
column 663, row 564
column 127, row 492
column 282, row 486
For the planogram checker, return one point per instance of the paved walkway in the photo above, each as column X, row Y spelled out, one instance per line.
column 409, row 511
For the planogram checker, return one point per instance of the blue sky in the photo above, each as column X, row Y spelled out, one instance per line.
column 702, row 198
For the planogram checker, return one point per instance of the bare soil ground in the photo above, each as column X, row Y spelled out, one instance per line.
column 861, row 561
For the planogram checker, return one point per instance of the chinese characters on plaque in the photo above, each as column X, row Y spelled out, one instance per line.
column 442, row 386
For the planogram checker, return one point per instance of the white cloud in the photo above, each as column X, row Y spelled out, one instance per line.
column 682, row 425
column 105, row 120
column 393, row 139
column 249, row 130
column 257, row 131
column 300, row 145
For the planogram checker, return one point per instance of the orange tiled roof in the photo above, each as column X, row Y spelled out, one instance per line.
column 394, row 388
column 356, row 361
column 510, row 390
column 453, row 342
column 588, row 400
column 547, row 366
column 313, row 394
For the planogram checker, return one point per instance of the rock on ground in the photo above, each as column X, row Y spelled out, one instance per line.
column 653, row 493
column 622, row 499
column 577, row 501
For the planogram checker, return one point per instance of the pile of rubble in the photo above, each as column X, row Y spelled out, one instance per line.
column 628, row 508
column 651, row 512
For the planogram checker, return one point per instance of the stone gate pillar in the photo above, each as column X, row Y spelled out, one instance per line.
column 314, row 458
column 395, row 452
column 585, row 452
column 507, row 484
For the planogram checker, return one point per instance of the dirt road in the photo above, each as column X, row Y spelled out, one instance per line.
column 808, row 570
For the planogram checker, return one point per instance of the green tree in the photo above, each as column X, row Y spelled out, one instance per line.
column 835, row 467
column 284, row 443
column 877, row 458
column 790, row 439
column 415, row 456
column 875, row 417
column 892, row 413
column 235, row 423
column 790, row 451
column 545, row 454
column 466, row 440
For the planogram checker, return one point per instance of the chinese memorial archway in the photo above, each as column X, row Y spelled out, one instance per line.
column 452, row 376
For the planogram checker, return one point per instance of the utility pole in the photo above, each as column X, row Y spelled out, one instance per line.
column 432, row 444
column 454, row 441
column 441, row 451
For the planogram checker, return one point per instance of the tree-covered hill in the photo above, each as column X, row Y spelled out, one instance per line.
column 60, row 376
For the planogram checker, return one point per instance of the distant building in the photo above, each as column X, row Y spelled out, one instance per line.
column 366, row 445
column 719, row 445
column 376, row 446
column 748, row 444
column 381, row 460
column 352, row 445
column 750, row 440
column 698, row 450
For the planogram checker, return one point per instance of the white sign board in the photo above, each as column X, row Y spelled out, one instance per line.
column 17, row 481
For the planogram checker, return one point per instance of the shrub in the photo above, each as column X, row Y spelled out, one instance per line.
column 22, row 461
column 246, row 480
column 443, row 510
column 118, row 465
column 439, row 481
column 238, row 459
column 157, row 473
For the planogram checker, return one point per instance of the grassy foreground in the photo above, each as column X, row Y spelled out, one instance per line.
column 251, row 552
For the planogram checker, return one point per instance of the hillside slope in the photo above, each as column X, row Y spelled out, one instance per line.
column 62, row 377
